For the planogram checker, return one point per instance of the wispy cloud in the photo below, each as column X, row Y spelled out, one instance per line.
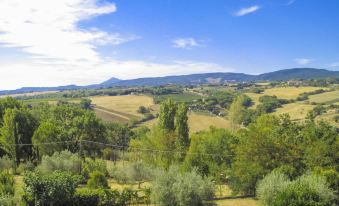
column 303, row 61
column 247, row 10
column 49, row 28
column 290, row 2
column 335, row 64
column 185, row 43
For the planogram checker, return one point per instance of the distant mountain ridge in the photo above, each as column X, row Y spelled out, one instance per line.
column 192, row 79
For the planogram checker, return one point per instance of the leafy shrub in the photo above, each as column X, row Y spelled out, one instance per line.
column 271, row 186
column 105, row 197
column 62, row 161
column 6, row 184
column 25, row 167
column 109, row 154
column 8, row 200
column 173, row 188
column 310, row 190
column 85, row 197
column 133, row 172
column 6, row 163
column 55, row 189
column 94, row 165
column 97, row 180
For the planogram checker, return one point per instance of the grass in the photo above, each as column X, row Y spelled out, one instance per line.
column 184, row 97
column 327, row 97
column 126, row 104
column 238, row 202
column 329, row 117
column 282, row 92
column 297, row 111
column 198, row 122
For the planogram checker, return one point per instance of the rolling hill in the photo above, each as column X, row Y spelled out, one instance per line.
column 193, row 79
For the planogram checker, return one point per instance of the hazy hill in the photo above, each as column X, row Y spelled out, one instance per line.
column 206, row 78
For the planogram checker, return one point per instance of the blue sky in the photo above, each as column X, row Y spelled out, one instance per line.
column 48, row 43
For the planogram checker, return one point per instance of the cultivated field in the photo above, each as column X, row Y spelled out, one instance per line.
column 297, row 111
column 282, row 92
column 198, row 122
column 327, row 97
column 185, row 97
column 120, row 108
column 127, row 104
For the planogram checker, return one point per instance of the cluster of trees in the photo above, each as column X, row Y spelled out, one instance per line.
column 28, row 133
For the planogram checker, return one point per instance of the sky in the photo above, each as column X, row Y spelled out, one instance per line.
column 63, row 42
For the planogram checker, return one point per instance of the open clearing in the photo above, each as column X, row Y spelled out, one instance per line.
column 120, row 108
column 297, row 111
column 282, row 92
column 198, row 122
column 327, row 97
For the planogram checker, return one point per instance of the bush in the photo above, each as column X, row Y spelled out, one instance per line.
column 85, row 197
column 25, row 167
column 94, row 165
column 173, row 188
column 6, row 184
column 8, row 200
column 271, row 186
column 104, row 197
column 6, row 163
column 62, row 161
column 133, row 172
column 310, row 190
column 55, row 189
column 97, row 180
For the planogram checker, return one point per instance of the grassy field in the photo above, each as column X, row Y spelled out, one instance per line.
column 327, row 97
column 329, row 117
column 198, row 122
column 185, row 97
column 120, row 108
column 282, row 92
column 297, row 111
column 126, row 104
column 238, row 202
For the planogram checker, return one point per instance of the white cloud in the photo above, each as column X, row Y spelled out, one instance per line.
column 49, row 28
column 247, row 10
column 303, row 61
column 185, row 43
column 61, row 53
column 47, row 74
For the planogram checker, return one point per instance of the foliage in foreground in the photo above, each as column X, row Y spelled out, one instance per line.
column 311, row 190
column 55, row 189
column 173, row 188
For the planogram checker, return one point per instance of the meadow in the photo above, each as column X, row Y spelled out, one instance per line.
column 128, row 104
column 282, row 92
column 297, row 111
column 184, row 97
column 326, row 98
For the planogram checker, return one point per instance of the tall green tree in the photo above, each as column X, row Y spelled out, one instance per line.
column 270, row 142
column 167, row 115
column 181, row 126
column 16, row 133
column 237, row 112
column 8, row 103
